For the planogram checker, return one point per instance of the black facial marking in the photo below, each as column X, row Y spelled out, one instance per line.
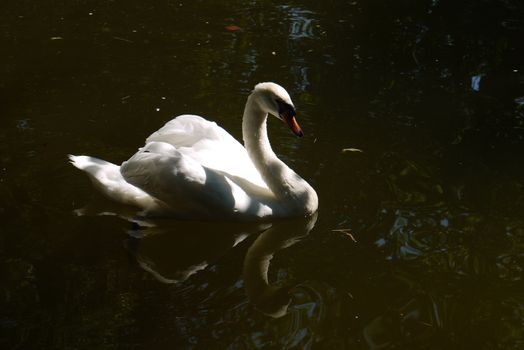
column 285, row 108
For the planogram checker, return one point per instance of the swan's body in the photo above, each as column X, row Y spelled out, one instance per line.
column 192, row 168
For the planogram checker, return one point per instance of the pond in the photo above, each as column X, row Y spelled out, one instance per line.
column 413, row 114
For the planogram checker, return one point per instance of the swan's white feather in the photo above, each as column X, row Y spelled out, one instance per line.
column 209, row 145
column 192, row 168
column 106, row 177
column 190, row 189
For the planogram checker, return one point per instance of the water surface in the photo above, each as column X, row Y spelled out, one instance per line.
column 414, row 120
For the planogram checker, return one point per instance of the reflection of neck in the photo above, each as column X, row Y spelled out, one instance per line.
column 271, row 300
column 256, row 266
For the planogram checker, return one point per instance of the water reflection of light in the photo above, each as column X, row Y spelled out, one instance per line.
column 475, row 82
column 301, row 22
column 301, row 72
column 251, row 66
column 414, row 233
column 301, row 27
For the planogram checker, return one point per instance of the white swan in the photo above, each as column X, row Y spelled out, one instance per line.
column 192, row 168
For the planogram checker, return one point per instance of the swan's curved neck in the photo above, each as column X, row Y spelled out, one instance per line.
column 289, row 188
column 254, row 132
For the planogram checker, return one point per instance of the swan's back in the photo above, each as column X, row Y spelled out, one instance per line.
column 188, row 130
column 209, row 145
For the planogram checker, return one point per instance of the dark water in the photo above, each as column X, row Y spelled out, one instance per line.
column 419, row 241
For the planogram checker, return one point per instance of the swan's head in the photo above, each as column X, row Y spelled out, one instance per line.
column 275, row 100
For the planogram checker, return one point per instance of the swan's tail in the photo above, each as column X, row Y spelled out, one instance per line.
column 106, row 177
column 86, row 162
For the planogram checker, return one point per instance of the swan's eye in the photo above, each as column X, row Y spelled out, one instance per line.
column 285, row 108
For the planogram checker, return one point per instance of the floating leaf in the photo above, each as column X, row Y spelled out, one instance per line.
column 345, row 150
column 232, row 28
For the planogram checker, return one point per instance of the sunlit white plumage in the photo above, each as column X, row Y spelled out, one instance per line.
column 192, row 168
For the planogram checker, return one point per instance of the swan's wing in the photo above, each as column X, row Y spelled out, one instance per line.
column 209, row 145
column 187, row 130
column 107, row 178
column 178, row 180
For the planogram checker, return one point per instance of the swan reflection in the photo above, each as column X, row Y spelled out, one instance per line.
column 175, row 251
column 271, row 299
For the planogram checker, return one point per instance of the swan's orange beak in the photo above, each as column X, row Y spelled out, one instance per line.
column 287, row 113
column 293, row 125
